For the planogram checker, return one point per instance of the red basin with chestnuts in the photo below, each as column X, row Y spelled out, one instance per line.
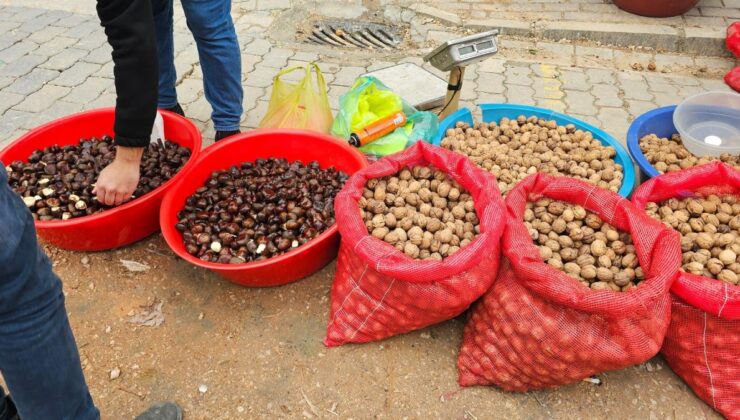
column 292, row 145
column 115, row 227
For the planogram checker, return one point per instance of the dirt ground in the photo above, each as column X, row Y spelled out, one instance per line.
column 225, row 351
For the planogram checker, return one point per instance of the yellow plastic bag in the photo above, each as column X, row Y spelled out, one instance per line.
column 299, row 105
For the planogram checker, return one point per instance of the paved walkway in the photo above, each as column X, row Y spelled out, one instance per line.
column 57, row 62
column 710, row 14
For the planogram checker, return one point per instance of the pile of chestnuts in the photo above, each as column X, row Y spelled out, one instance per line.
column 581, row 244
column 57, row 182
column 259, row 210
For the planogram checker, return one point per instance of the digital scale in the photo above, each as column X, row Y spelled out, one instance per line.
column 454, row 56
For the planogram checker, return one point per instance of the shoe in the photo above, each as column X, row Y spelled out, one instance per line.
column 220, row 135
column 9, row 413
column 177, row 109
column 163, row 411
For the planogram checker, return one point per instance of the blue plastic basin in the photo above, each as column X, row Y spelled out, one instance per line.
column 659, row 122
column 495, row 112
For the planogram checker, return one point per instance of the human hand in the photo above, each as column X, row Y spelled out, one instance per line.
column 118, row 181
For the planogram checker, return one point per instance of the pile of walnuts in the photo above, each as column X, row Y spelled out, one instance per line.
column 578, row 242
column 514, row 149
column 421, row 212
column 710, row 234
column 669, row 155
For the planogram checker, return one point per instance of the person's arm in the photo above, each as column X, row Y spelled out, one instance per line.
column 129, row 25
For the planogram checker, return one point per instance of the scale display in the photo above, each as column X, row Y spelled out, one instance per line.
column 464, row 51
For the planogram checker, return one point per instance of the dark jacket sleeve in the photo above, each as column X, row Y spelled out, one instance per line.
column 129, row 25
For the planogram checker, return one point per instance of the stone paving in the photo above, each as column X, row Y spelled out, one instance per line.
column 57, row 62
column 706, row 13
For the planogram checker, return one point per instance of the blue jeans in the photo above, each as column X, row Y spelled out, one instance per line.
column 38, row 354
column 218, row 50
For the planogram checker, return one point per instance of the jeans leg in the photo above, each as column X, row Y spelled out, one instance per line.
column 38, row 354
column 220, row 58
column 163, row 26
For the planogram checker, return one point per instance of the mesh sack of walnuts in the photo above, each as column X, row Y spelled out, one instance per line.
column 670, row 155
column 381, row 290
column 514, row 149
column 538, row 327
column 704, row 335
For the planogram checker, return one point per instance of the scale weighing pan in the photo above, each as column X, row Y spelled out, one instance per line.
column 416, row 85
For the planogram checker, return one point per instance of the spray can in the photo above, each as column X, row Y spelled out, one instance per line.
column 377, row 130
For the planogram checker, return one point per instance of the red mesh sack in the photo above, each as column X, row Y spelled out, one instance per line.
column 702, row 342
column 539, row 328
column 733, row 38
column 380, row 292
column 733, row 79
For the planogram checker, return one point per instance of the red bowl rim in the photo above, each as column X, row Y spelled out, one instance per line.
column 124, row 207
column 170, row 233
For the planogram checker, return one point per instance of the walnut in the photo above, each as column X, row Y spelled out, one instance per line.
column 380, row 232
column 598, row 248
column 420, row 220
column 727, row 257
column 392, row 237
column 415, row 235
column 714, row 266
column 433, row 225
column 399, row 212
column 604, row 274
column 378, row 221
column 454, row 194
column 426, row 240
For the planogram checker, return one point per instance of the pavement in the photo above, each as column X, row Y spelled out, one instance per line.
column 54, row 61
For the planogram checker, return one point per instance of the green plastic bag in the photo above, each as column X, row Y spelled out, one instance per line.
column 368, row 101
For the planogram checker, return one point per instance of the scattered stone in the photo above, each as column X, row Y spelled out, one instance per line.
column 203, row 388
column 85, row 260
column 426, row 335
column 593, row 380
column 134, row 266
column 150, row 316
column 200, row 316
column 115, row 373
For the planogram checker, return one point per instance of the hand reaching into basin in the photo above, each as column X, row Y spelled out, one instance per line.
column 118, row 181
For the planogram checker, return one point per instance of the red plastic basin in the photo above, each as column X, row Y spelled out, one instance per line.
column 656, row 8
column 118, row 226
column 292, row 145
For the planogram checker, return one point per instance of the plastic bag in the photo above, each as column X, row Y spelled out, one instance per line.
column 733, row 38
column 704, row 336
column 299, row 105
column 733, row 79
column 369, row 101
column 380, row 292
column 539, row 328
